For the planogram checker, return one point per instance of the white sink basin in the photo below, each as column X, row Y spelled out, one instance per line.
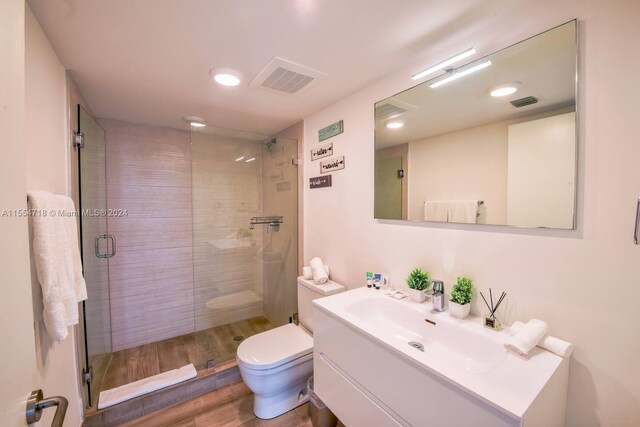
column 465, row 348
column 461, row 352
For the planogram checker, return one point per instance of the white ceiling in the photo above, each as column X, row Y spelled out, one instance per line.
column 148, row 61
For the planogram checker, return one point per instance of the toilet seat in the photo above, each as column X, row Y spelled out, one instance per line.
column 281, row 347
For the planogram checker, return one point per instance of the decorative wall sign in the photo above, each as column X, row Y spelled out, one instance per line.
column 331, row 165
column 323, row 151
column 320, row 182
column 329, row 131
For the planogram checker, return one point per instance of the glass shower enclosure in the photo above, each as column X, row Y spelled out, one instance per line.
column 237, row 251
column 244, row 192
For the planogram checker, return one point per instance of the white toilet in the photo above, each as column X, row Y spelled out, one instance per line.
column 276, row 364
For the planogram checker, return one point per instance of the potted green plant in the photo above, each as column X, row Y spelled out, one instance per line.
column 461, row 293
column 418, row 282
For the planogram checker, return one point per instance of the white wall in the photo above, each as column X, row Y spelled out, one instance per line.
column 468, row 164
column 47, row 145
column 541, row 180
column 17, row 375
column 583, row 282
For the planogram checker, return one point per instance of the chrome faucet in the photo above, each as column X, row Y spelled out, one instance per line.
column 438, row 295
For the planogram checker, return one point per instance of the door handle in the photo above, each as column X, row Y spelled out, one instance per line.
column 636, row 238
column 35, row 405
column 113, row 246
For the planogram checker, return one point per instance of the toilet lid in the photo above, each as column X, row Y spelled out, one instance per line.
column 275, row 347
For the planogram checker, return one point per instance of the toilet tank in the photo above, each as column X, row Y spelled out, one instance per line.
column 308, row 290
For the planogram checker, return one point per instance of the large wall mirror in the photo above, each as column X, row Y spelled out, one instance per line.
column 495, row 144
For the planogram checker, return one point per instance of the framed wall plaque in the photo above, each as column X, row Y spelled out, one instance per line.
column 320, row 181
column 322, row 151
column 331, row 165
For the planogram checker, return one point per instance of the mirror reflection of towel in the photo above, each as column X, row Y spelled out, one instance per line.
column 436, row 210
column 464, row 211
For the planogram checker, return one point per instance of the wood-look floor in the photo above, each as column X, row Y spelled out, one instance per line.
column 229, row 406
column 143, row 361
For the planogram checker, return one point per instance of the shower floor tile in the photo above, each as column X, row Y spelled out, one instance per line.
column 143, row 361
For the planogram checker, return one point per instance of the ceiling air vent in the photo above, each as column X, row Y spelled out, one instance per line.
column 388, row 111
column 523, row 102
column 287, row 77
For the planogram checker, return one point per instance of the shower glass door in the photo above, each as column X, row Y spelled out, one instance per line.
column 244, row 274
column 93, row 224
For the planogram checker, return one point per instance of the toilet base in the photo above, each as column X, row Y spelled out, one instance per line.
column 267, row 407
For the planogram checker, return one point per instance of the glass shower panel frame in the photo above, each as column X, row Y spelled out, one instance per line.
column 93, row 224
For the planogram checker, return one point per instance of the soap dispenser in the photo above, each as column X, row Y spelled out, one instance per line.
column 437, row 300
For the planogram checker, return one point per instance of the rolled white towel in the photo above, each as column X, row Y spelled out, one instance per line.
column 320, row 275
column 553, row 344
column 527, row 337
column 307, row 272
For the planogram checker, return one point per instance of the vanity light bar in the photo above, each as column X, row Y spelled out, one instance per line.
column 457, row 75
column 444, row 63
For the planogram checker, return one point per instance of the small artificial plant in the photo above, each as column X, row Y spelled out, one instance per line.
column 418, row 279
column 462, row 291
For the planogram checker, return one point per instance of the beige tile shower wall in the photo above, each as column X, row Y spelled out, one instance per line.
column 149, row 175
column 227, row 255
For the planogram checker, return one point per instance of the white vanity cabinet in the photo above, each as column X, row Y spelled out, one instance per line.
column 367, row 380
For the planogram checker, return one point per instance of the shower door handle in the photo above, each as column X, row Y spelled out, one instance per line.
column 636, row 238
column 113, row 246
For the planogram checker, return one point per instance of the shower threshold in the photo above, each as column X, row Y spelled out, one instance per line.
column 144, row 361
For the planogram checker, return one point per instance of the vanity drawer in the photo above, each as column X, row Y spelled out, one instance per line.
column 413, row 396
column 349, row 404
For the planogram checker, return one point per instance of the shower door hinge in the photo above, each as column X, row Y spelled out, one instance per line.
column 295, row 319
column 78, row 140
column 87, row 375
column 294, row 161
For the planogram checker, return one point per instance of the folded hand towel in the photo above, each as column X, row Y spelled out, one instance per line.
column 553, row 344
column 527, row 337
column 307, row 273
column 57, row 261
column 435, row 210
column 464, row 211
column 320, row 275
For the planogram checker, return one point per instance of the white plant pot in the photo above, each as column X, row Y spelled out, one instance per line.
column 417, row 296
column 458, row 310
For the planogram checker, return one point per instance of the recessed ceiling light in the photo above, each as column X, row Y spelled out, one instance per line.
column 395, row 125
column 226, row 76
column 457, row 74
column 250, row 160
column 505, row 89
column 443, row 64
column 239, row 158
column 195, row 121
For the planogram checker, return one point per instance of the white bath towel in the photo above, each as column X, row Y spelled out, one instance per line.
column 527, row 337
column 57, row 261
column 146, row 385
column 320, row 275
column 553, row 344
column 463, row 211
column 436, row 210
